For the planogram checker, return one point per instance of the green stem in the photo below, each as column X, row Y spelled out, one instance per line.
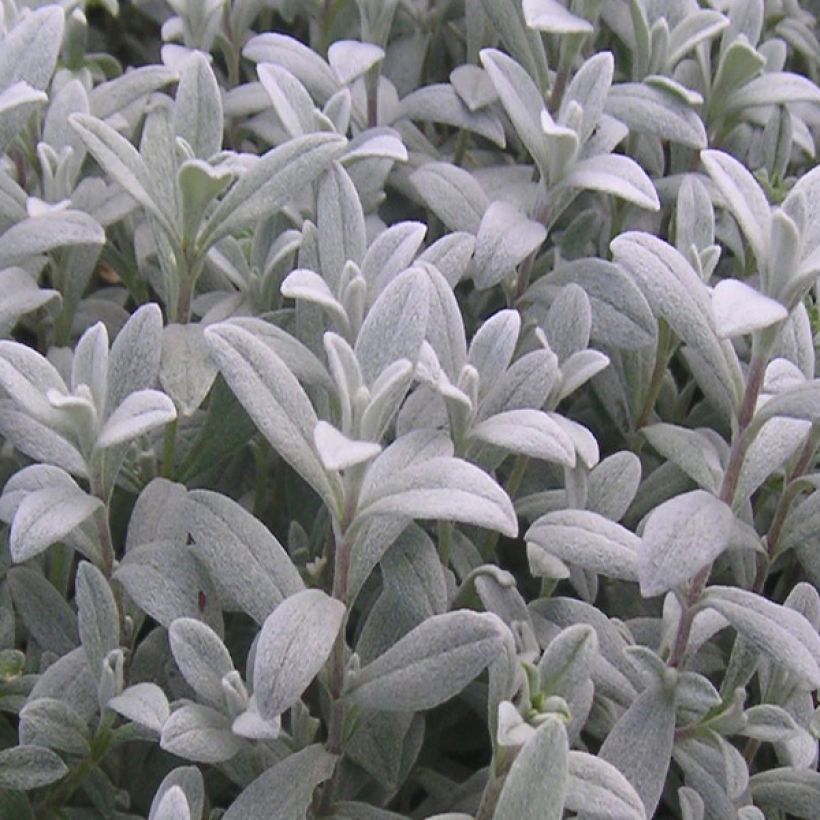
column 496, row 776
column 663, row 354
column 740, row 444
column 184, row 299
column 261, row 456
column 557, row 94
column 169, row 449
column 103, row 525
column 341, row 572
column 790, row 491
column 445, row 532
column 58, row 573
column 99, row 747
column 371, row 82
column 462, row 141
column 512, row 485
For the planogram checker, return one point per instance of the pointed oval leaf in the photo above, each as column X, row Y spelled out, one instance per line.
column 30, row 767
column 285, row 790
column 682, row 536
column 616, row 175
column 99, row 619
column 270, row 182
column 442, row 487
column 430, row 664
column 198, row 107
column 54, row 724
column 139, row 413
column 123, row 163
column 596, row 789
column 242, row 556
column 199, row 733
column 640, row 744
column 186, row 371
column 741, row 309
column 551, row 16
column 338, row 452
column 273, row 398
column 452, row 194
column 744, row 198
column 201, row 656
column 173, row 805
column 47, row 516
column 135, row 355
column 505, row 238
column 781, row 633
column 41, row 234
column 521, row 100
column 294, row 644
column 527, row 431
column 142, row 703
column 656, row 112
column 536, row 786
column 588, row 540
column 395, row 325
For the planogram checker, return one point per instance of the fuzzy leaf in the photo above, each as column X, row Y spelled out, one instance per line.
column 186, row 372
column 284, row 791
column 199, row 733
column 690, row 450
column 505, row 238
column 30, row 767
column 273, row 398
column 201, row 657
column 588, row 540
column 337, row 451
column 442, row 487
column 744, row 198
column 531, row 432
column 139, row 413
column 350, row 59
column 99, row 619
column 740, row 309
column 677, row 294
column 596, row 790
column 134, row 360
column 655, row 111
column 395, row 325
column 47, row 516
column 452, row 194
column 640, row 744
column 774, row 88
column 165, row 581
column 536, row 786
column 55, row 725
column 430, row 664
column 245, row 560
column 521, row 100
column 142, row 703
column 270, row 182
column 41, row 234
column 682, row 536
column 294, row 644
column 173, row 806
column 616, row 175
column 781, row 633
column 31, row 47
column 198, row 107
column 122, row 162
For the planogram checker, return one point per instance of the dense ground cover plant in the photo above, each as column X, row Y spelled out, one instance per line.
column 409, row 409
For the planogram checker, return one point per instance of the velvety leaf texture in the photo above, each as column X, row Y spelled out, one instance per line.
column 409, row 410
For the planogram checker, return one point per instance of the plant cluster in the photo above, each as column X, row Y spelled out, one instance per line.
column 409, row 409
